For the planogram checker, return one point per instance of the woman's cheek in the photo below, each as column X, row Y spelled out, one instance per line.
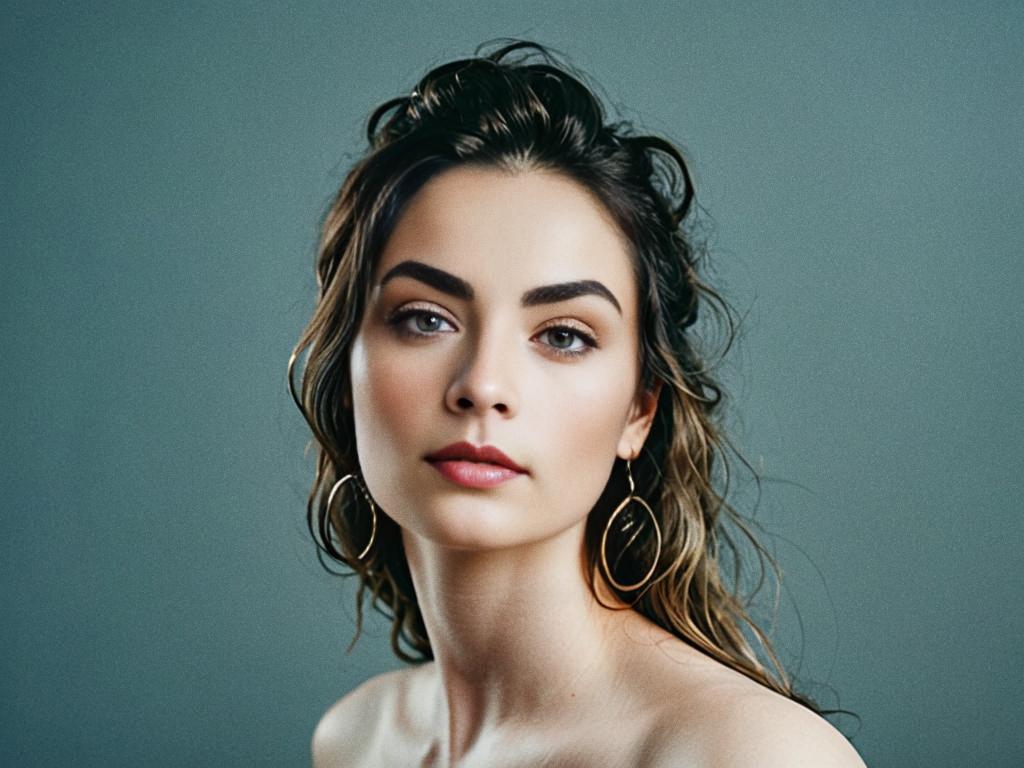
column 583, row 418
column 398, row 389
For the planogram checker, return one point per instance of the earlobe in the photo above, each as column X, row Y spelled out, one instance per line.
column 640, row 420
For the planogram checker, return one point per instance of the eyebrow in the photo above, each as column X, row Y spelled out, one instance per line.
column 448, row 283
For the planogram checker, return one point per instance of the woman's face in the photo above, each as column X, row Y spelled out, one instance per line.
column 458, row 344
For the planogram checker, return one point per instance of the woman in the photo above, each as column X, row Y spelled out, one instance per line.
column 516, row 439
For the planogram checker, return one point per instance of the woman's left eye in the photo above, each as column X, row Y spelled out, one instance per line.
column 560, row 339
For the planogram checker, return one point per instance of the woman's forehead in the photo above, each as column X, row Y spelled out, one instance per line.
column 510, row 230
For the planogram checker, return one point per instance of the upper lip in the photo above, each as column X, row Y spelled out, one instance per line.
column 470, row 452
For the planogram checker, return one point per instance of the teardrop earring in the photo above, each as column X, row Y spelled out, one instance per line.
column 604, row 538
column 366, row 495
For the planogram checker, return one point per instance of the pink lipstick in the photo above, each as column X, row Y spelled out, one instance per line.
column 475, row 467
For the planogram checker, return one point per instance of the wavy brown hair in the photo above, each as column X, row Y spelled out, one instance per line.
column 515, row 109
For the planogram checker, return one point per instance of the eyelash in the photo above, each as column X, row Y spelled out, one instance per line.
column 397, row 320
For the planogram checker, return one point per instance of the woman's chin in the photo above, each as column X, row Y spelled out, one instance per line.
column 475, row 525
column 470, row 524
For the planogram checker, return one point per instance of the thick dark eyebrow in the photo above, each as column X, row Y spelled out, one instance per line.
column 448, row 283
column 549, row 294
column 443, row 281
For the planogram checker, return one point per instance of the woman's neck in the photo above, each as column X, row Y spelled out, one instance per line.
column 517, row 634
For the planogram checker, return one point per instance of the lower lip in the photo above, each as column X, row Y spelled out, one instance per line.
column 475, row 474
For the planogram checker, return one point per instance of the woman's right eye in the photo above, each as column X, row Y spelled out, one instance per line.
column 419, row 322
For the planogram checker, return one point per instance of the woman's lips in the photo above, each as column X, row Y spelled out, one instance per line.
column 474, row 466
column 474, row 474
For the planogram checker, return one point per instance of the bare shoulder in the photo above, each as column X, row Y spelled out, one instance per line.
column 350, row 729
column 752, row 727
column 348, row 726
column 705, row 713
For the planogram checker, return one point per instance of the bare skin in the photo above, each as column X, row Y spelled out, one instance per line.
column 656, row 703
column 529, row 668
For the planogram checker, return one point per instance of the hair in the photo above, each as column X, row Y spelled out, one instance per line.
column 508, row 112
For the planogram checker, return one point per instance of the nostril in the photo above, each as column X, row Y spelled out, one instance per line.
column 466, row 404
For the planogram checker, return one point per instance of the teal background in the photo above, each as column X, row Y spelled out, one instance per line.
column 164, row 168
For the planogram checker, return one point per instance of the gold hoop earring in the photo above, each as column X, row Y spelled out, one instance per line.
column 366, row 495
column 604, row 538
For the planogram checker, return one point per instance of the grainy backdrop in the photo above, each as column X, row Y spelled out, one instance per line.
column 164, row 168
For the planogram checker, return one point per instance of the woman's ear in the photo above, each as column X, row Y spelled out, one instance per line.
column 638, row 425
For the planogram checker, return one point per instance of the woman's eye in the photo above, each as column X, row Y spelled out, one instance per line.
column 419, row 322
column 568, row 341
column 427, row 322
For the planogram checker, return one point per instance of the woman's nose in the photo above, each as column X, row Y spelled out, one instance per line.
column 485, row 380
